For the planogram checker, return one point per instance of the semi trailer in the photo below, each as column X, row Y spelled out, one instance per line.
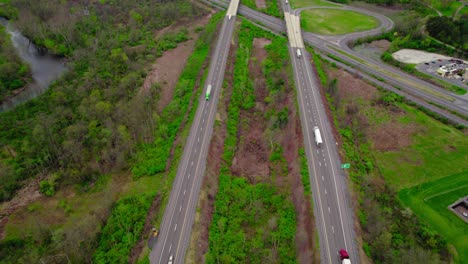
column 208, row 92
column 318, row 137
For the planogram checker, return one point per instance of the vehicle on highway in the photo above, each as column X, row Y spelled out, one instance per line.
column 318, row 137
column 344, row 256
column 298, row 52
column 170, row 260
column 208, row 92
column 155, row 232
column 286, row 2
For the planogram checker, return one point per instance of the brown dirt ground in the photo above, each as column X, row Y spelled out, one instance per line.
column 351, row 87
column 251, row 158
column 260, row 3
column 199, row 238
column 169, row 66
column 382, row 44
column 391, row 136
column 24, row 197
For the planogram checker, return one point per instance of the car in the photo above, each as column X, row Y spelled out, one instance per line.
column 427, row 63
column 170, row 260
column 155, row 232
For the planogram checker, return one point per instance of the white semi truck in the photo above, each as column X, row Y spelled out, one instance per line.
column 208, row 92
column 298, row 52
column 318, row 137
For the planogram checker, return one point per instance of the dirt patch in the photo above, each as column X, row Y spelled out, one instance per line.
column 24, row 197
column 350, row 87
column 391, row 136
column 251, row 158
column 199, row 239
column 382, row 44
column 260, row 4
column 167, row 69
column 417, row 56
column 138, row 248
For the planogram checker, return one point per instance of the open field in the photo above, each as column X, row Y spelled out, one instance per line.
column 336, row 22
column 436, row 151
column 429, row 202
column 305, row 3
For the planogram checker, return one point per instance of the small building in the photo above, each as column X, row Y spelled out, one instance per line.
column 452, row 69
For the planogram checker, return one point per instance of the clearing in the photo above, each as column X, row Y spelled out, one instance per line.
column 336, row 22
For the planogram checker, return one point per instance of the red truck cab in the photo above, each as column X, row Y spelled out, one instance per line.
column 344, row 256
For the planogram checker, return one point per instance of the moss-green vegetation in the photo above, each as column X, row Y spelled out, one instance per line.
column 447, row 8
column 429, row 202
column 272, row 7
column 335, row 22
column 238, row 232
column 14, row 73
column 122, row 229
column 436, row 151
column 306, row 3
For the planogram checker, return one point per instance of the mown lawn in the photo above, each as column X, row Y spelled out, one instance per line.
column 429, row 202
column 304, row 3
column 335, row 22
column 436, row 151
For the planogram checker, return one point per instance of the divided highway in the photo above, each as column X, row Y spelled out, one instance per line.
column 179, row 214
column 333, row 214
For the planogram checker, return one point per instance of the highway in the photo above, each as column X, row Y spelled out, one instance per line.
column 332, row 210
column 420, row 90
column 179, row 214
column 333, row 214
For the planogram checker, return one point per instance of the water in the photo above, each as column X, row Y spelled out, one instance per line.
column 45, row 68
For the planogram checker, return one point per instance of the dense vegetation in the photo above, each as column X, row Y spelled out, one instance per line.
column 89, row 122
column 238, row 232
column 272, row 7
column 14, row 73
column 391, row 233
column 448, row 30
column 122, row 229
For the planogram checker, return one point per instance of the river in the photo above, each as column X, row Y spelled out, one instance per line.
column 45, row 68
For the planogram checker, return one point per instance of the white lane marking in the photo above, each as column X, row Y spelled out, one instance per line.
column 185, row 191
column 308, row 110
column 198, row 139
column 325, row 164
column 328, row 209
column 320, row 164
column 333, row 230
column 323, row 178
column 175, row 227
column 325, row 191
column 170, row 247
column 180, row 208
column 203, row 120
column 191, row 163
column 201, row 128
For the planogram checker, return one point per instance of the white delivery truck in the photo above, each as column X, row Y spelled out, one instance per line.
column 208, row 92
column 298, row 52
column 318, row 137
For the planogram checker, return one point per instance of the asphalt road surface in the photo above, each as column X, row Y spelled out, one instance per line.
column 329, row 187
column 179, row 215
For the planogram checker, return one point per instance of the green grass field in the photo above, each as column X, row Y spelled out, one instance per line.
column 304, row 3
column 335, row 22
column 436, row 151
column 429, row 202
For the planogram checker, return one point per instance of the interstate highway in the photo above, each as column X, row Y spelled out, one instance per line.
column 179, row 214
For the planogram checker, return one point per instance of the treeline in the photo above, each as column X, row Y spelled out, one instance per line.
column 89, row 122
column 449, row 30
column 14, row 74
